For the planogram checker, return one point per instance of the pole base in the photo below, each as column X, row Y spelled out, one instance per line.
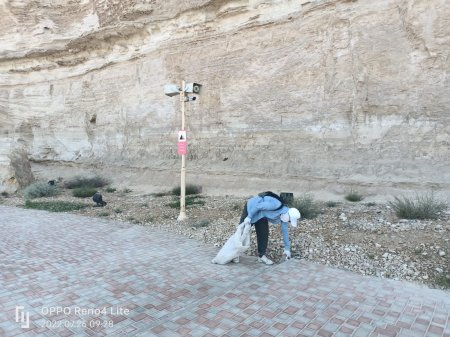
column 182, row 216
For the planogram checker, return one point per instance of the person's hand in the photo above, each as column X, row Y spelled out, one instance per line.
column 288, row 254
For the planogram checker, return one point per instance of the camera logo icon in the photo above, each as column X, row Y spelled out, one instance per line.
column 22, row 317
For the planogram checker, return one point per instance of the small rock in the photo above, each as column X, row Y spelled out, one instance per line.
column 441, row 253
column 439, row 270
column 377, row 245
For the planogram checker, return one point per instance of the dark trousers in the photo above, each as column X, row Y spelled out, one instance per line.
column 262, row 232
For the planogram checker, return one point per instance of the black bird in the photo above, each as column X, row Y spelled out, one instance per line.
column 97, row 197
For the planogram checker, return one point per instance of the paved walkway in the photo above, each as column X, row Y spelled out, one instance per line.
column 78, row 276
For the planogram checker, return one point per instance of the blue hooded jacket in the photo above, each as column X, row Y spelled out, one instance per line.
column 269, row 208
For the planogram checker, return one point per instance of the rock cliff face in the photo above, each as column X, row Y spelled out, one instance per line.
column 297, row 95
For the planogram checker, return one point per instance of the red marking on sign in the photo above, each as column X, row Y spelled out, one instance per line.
column 182, row 147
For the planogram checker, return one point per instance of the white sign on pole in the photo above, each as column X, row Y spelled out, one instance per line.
column 182, row 136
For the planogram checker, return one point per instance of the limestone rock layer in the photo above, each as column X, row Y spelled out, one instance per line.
column 319, row 95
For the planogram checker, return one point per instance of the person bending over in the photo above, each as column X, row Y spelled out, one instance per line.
column 264, row 208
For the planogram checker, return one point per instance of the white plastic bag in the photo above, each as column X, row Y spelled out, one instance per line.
column 237, row 244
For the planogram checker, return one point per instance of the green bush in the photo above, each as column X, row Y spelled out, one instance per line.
column 424, row 206
column 111, row 190
column 306, row 205
column 331, row 203
column 161, row 194
column 190, row 189
column 81, row 181
column 40, row 189
column 124, row 192
column 190, row 200
column 54, row 206
column 84, row 192
column 353, row 196
column 132, row 220
column 148, row 219
column 442, row 281
column 237, row 207
column 201, row 223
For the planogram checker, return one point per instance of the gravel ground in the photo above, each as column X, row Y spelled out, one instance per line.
column 366, row 238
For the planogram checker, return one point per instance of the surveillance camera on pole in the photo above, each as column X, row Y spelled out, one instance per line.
column 192, row 88
column 173, row 90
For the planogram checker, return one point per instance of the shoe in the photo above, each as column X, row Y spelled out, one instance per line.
column 265, row 259
column 287, row 255
column 235, row 260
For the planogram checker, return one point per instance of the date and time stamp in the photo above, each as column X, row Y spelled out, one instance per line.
column 95, row 323
column 76, row 317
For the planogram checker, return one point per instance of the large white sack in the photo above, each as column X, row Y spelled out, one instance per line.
column 237, row 244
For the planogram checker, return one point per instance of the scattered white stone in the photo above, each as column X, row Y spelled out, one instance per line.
column 310, row 242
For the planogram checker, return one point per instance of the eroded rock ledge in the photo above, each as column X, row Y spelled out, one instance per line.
column 304, row 94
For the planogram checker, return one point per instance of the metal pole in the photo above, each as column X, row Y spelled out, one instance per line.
column 182, row 215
